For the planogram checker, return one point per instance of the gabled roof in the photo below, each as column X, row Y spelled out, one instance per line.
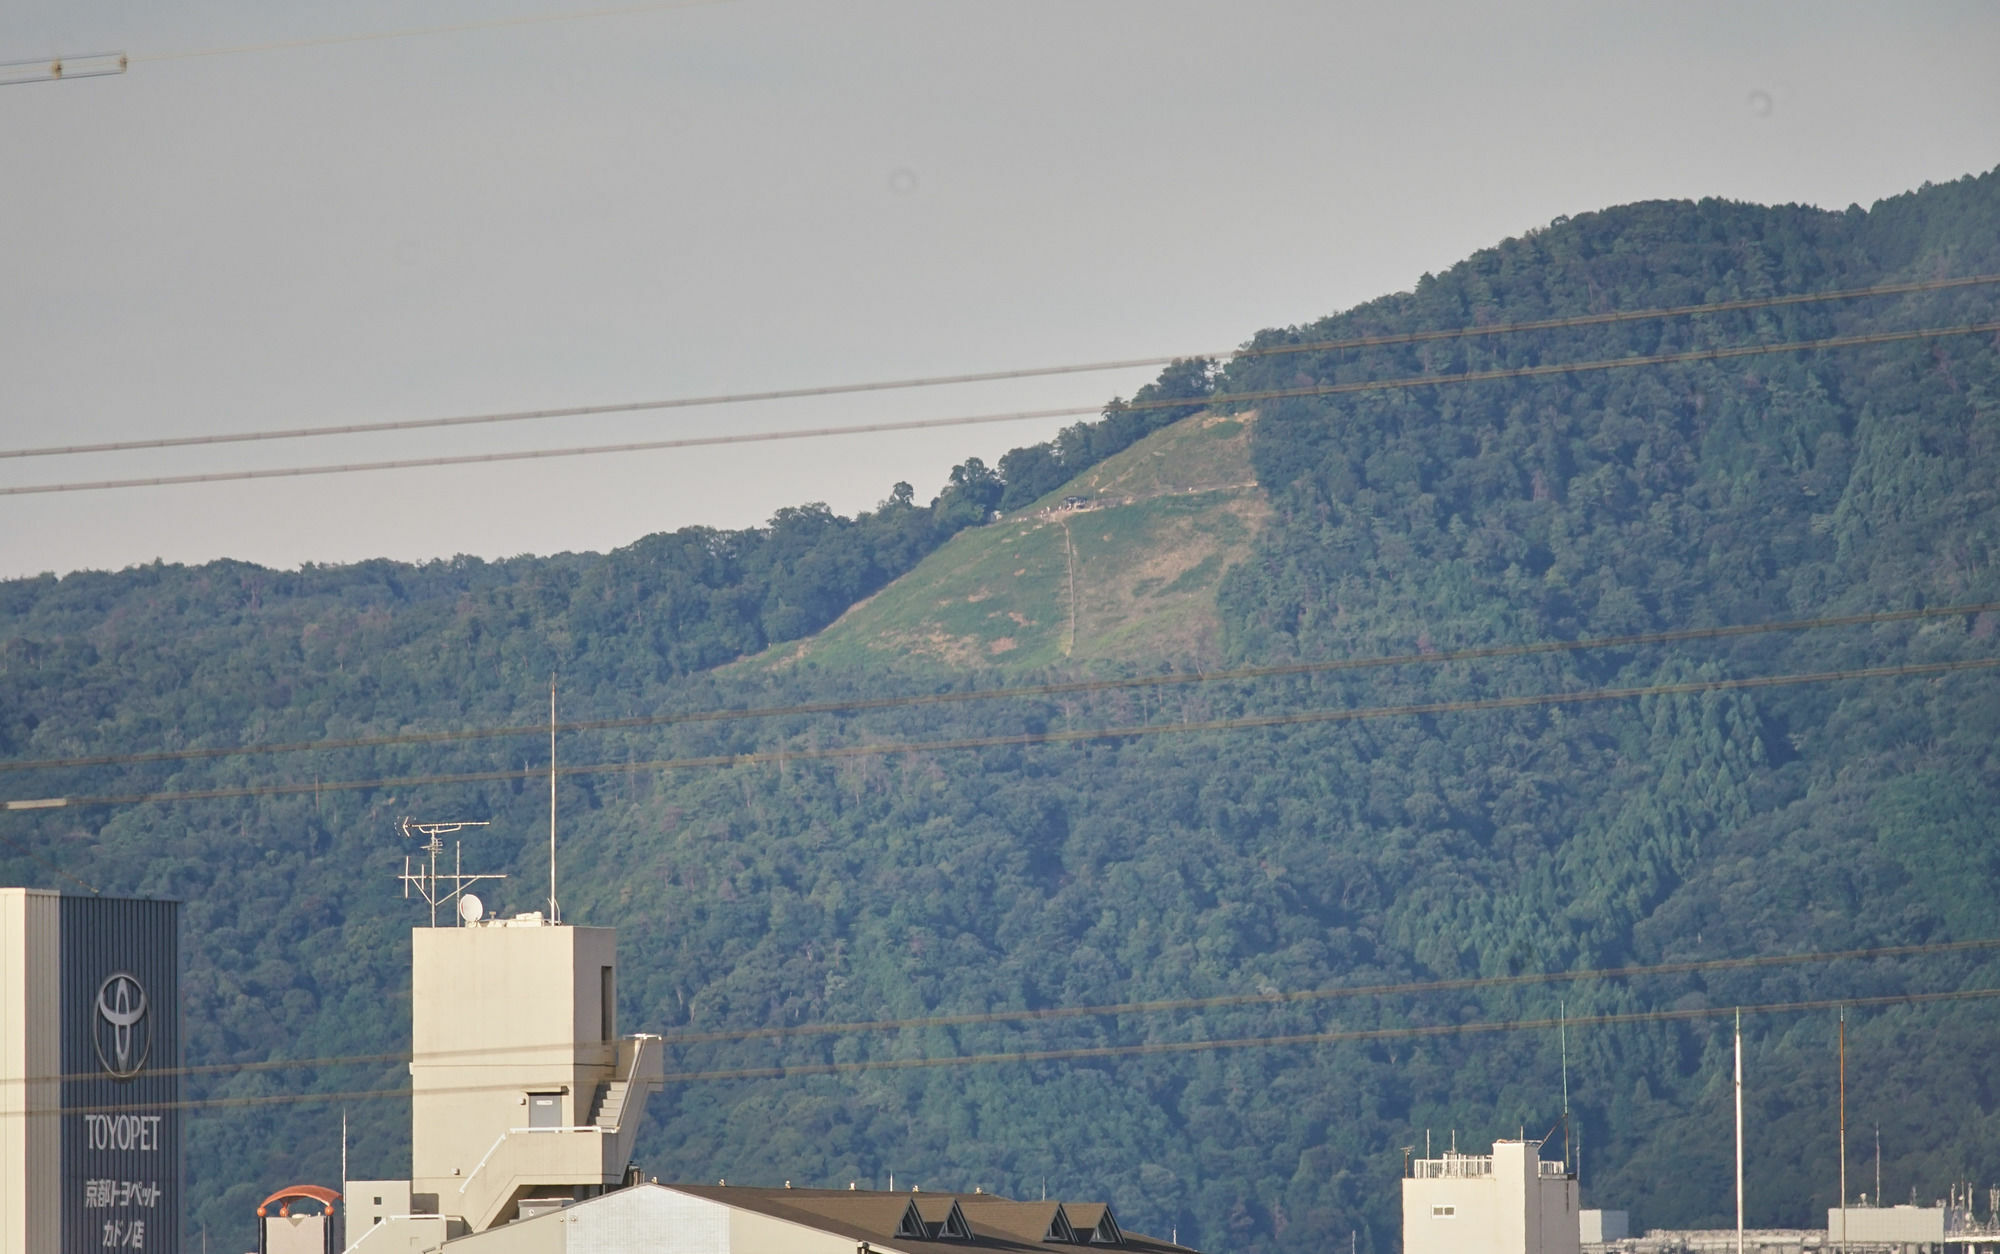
column 943, row 1220
column 1036, row 1223
column 990, row 1223
column 1094, row 1223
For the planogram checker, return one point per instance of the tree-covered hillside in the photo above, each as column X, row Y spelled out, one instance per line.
column 1241, row 864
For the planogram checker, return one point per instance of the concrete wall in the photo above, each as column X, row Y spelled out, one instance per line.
column 1513, row 1210
column 1556, row 1227
column 1597, row 1226
column 499, row 1011
column 399, row 1235
column 30, row 1046
column 752, row 1233
column 296, row 1234
column 1452, row 1216
column 366, row 1203
column 655, row 1219
column 1886, row 1224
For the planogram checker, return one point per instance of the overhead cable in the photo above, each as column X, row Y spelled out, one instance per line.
column 1700, row 966
column 47, row 865
column 53, row 69
column 959, row 696
column 906, row 748
column 994, row 376
column 1086, row 1053
column 925, row 424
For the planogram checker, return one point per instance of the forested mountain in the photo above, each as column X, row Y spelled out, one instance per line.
column 1246, row 862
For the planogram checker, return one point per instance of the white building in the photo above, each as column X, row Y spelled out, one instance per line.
column 716, row 1219
column 1506, row 1202
column 1887, row 1225
column 525, row 1104
column 523, row 1095
column 1600, row 1226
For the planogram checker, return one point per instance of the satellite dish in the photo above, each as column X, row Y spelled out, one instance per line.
column 470, row 908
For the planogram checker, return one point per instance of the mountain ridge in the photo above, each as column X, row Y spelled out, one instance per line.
column 1315, row 858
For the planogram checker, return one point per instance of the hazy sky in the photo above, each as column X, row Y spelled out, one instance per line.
column 748, row 195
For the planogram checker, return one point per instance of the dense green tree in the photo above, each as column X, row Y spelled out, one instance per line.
column 1293, row 858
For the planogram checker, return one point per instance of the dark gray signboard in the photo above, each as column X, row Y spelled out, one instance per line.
column 121, row 1056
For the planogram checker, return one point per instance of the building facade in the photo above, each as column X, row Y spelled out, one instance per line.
column 523, row 1095
column 1508, row 1202
column 719, row 1219
column 90, row 1058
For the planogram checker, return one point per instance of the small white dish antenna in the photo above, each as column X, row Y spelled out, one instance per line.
column 471, row 909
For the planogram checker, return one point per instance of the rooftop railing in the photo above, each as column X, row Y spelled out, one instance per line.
column 1453, row 1167
column 1474, row 1166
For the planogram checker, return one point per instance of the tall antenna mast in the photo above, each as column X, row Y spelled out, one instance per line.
column 1739, row 1131
column 1843, row 1127
column 555, row 912
column 1563, row 1027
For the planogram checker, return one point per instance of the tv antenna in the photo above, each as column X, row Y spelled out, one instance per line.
column 429, row 881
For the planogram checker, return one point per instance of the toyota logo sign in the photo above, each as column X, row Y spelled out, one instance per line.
column 121, row 1032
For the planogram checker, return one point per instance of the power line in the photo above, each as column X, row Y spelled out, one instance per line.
column 47, row 865
column 1094, row 1052
column 1065, row 688
column 993, row 376
column 1084, row 1052
column 1463, row 984
column 1112, row 1009
column 55, row 69
column 51, row 69
column 1243, row 723
column 925, row 424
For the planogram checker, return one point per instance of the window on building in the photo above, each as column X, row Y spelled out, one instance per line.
column 1443, row 1212
column 607, row 1003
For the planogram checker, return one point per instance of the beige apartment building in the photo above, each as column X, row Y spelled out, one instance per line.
column 523, row 1095
column 525, row 1103
column 1508, row 1202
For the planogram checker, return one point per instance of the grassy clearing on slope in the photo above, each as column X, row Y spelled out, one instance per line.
column 1130, row 577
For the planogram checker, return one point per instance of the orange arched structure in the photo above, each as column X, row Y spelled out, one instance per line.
column 295, row 1192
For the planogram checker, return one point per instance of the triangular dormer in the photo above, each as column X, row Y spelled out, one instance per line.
column 1107, row 1231
column 1094, row 1224
column 911, row 1226
column 953, row 1227
column 1059, row 1228
column 943, row 1220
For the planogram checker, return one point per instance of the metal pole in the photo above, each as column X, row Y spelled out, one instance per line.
column 1843, row 1125
column 1563, row 1028
column 554, row 915
column 1739, row 1132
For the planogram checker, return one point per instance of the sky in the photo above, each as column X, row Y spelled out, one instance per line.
column 295, row 226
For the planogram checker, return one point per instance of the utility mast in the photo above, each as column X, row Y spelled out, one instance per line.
column 1739, row 1132
column 555, row 911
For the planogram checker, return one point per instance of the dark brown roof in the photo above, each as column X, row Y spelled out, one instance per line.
column 1093, row 1222
column 996, row 1224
